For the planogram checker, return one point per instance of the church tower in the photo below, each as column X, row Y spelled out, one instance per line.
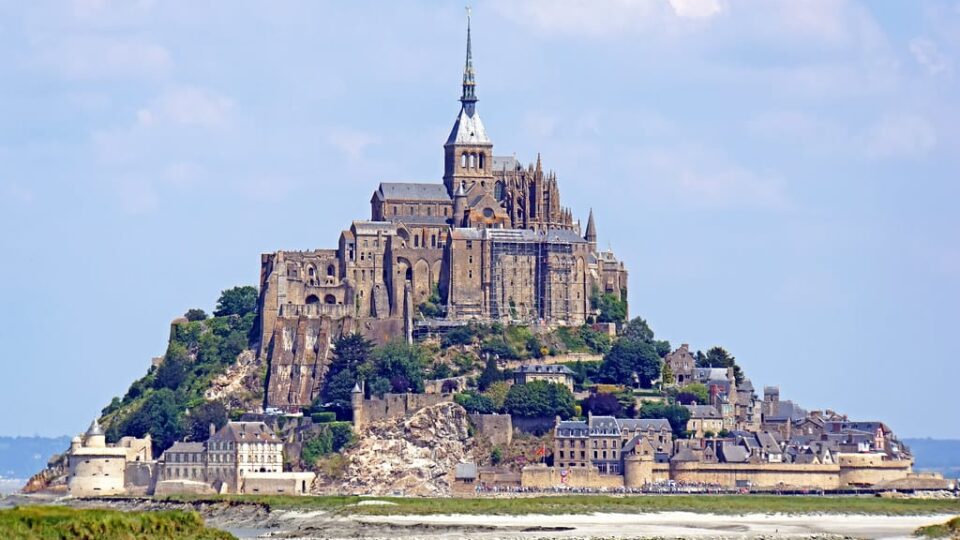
column 468, row 153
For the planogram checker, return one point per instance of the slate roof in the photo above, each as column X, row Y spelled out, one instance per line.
column 604, row 425
column 645, row 424
column 245, row 432
column 733, row 453
column 685, row 454
column 787, row 410
column 544, row 368
column 703, row 411
column 468, row 129
column 181, row 447
column 572, row 428
column 509, row 163
column 412, row 191
column 420, row 220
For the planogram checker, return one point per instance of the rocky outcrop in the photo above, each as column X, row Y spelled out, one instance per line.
column 241, row 387
column 413, row 456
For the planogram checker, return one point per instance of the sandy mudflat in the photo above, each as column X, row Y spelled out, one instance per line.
column 604, row 526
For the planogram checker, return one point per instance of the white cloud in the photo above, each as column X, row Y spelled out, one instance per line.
column 351, row 142
column 696, row 8
column 594, row 19
column 700, row 178
column 899, row 136
column 189, row 106
column 928, row 55
column 101, row 57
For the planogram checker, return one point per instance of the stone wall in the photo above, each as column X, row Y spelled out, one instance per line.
column 140, row 477
column 284, row 483
column 758, row 474
column 393, row 406
column 870, row 469
column 497, row 428
column 442, row 386
column 182, row 487
column 543, row 477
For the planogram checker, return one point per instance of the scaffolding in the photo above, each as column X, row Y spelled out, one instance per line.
column 543, row 263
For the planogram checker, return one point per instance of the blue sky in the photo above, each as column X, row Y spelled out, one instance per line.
column 781, row 178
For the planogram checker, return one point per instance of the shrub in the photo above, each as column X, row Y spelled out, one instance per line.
column 540, row 399
column 474, row 403
column 195, row 315
column 323, row 417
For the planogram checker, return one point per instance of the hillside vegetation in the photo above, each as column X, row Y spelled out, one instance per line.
column 168, row 402
column 60, row 523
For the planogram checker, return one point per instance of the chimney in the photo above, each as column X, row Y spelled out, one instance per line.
column 213, row 429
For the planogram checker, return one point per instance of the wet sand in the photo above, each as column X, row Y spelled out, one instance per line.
column 317, row 525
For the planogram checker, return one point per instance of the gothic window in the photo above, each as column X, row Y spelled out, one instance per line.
column 480, row 161
column 463, row 161
column 472, row 160
column 310, row 271
column 331, row 270
column 416, row 240
column 329, row 299
column 433, row 240
column 498, row 191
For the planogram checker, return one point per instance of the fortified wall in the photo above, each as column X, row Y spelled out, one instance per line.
column 497, row 428
column 367, row 411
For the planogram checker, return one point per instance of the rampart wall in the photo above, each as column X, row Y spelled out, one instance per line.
column 497, row 428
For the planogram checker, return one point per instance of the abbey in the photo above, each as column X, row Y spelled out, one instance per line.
column 492, row 242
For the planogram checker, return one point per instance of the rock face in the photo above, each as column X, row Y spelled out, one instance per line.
column 241, row 387
column 414, row 456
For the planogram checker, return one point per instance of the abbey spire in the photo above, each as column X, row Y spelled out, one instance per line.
column 468, row 152
column 469, row 96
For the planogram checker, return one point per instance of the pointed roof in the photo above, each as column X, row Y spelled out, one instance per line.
column 468, row 129
column 356, row 389
column 591, row 234
column 94, row 428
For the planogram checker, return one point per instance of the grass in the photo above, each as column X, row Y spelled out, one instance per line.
column 584, row 504
column 950, row 529
column 61, row 523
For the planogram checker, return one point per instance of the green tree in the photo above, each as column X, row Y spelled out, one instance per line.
column 629, row 357
column 602, row 404
column 497, row 392
column 677, row 415
column 598, row 342
column 540, row 399
column 490, row 374
column 695, row 392
column 400, row 364
column 638, row 330
column 667, row 376
column 237, row 301
column 350, row 351
column 612, row 308
column 474, row 403
column 200, row 417
column 718, row 357
column 160, row 417
column 195, row 315
column 173, row 371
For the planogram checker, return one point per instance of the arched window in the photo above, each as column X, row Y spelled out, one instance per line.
column 433, row 240
column 331, row 271
column 416, row 240
column 463, row 160
column 312, row 299
column 310, row 271
column 480, row 161
column 472, row 160
column 498, row 191
column 409, row 275
column 329, row 299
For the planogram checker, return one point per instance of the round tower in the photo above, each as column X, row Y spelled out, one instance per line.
column 356, row 401
column 637, row 470
column 94, row 436
column 459, row 207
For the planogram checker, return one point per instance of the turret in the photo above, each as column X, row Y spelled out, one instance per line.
column 94, row 436
column 591, row 234
column 356, row 402
column 459, row 207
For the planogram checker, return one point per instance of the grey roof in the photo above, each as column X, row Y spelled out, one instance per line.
column 466, row 233
column 703, row 411
column 420, row 220
column 94, row 428
column 685, row 454
column 373, row 227
column 544, row 368
column 412, row 191
column 710, row 374
column 768, row 442
column 245, row 432
column 509, row 163
column 466, row 471
column 181, row 447
column 526, row 235
column 732, row 453
column 604, row 425
column 468, row 129
column 572, row 428
column 645, row 424
column 787, row 410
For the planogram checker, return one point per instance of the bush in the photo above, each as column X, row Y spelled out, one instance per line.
column 331, row 437
column 237, row 301
column 193, row 315
column 474, row 403
column 496, row 455
column 323, row 417
column 462, row 335
column 540, row 399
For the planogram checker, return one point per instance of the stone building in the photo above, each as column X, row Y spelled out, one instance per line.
column 95, row 468
column 491, row 242
column 552, row 373
column 240, row 457
column 604, row 441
